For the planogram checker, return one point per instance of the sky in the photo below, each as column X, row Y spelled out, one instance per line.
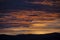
column 29, row 16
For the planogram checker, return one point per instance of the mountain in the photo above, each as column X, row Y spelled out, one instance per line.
column 51, row 36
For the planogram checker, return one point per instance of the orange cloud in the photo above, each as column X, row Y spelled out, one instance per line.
column 40, row 24
column 14, row 31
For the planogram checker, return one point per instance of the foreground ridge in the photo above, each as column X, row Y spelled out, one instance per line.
column 50, row 36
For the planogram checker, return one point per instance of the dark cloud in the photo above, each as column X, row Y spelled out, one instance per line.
column 52, row 27
column 9, row 25
column 15, row 5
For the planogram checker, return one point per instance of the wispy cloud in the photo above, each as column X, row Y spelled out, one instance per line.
column 29, row 22
column 43, row 3
column 29, row 16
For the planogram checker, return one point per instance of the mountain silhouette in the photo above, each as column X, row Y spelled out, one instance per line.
column 50, row 36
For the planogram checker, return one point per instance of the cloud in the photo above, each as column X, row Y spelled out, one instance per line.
column 25, row 18
column 15, row 5
column 16, row 31
column 29, row 22
column 43, row 3
column 29, row 16
column 55, row 25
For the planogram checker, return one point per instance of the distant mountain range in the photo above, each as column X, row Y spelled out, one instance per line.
column 51, row 36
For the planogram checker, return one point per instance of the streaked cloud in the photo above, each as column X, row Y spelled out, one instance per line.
column 29, row 22
column 44, row 3
column 29, row 16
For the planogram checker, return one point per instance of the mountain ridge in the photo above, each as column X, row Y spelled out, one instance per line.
column 50, row 36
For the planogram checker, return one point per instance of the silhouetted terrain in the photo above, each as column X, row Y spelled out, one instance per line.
column 51, row 36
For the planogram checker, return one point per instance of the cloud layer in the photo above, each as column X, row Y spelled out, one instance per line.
column 29, row 22
column 29, row 16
